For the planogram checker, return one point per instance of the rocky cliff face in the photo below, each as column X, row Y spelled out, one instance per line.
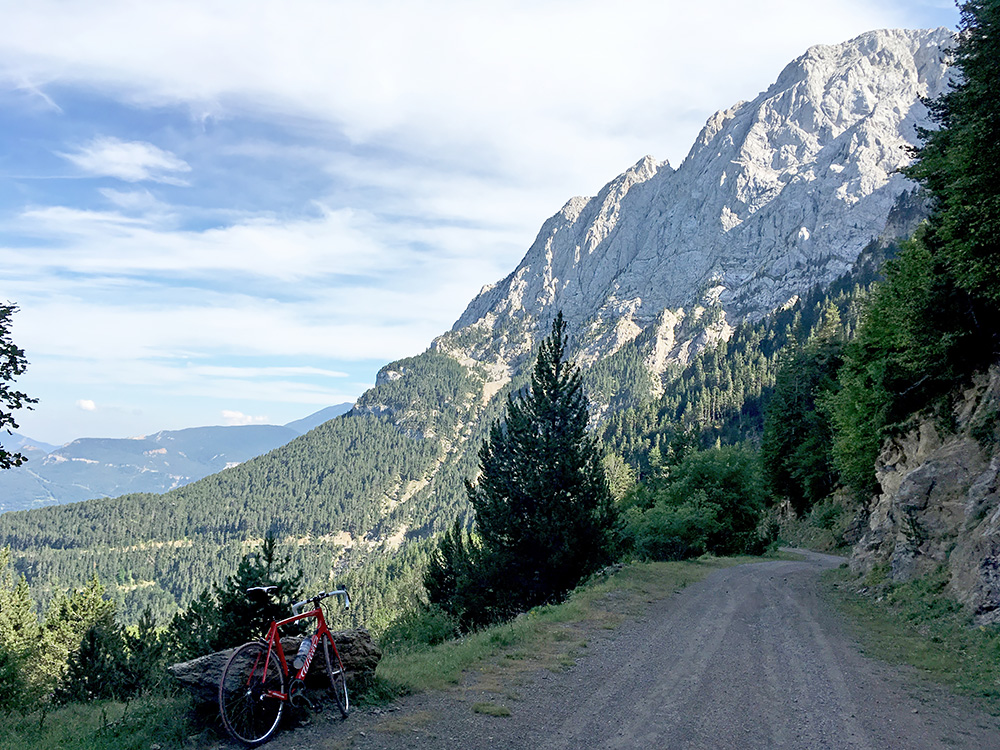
column 940, row 502
column 777, row 195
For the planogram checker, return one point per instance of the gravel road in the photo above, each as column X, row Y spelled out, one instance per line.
column 748, row 658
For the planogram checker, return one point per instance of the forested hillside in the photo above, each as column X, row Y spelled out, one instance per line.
column 334, row 496
column 360, row 496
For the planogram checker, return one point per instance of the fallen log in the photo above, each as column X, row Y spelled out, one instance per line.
column 358, row 652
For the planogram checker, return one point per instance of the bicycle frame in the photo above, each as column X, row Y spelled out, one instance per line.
column 274, row 644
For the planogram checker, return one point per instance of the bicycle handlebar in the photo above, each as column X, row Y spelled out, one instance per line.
column 315, row 600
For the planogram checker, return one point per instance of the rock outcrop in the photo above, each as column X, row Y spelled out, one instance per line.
column 940, row 502
column 358, row 652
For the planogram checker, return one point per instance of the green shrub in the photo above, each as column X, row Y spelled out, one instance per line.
column 670, row 532
column 712, row 501
column 418, row 628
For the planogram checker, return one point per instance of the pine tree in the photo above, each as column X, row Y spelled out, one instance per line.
column 146, row 648
column 796, row 444
column 454, row 579
column 19, row 636
column 98, row 667
column 960, row 161
column 68, row 619
column 226, row 616
column 544, row 513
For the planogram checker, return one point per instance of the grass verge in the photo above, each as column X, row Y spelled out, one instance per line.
column 551, row 636
column 102, row 725
column 917, row 623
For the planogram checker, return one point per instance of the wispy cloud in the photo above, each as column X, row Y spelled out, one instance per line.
column 231, row 417
column 132, row 161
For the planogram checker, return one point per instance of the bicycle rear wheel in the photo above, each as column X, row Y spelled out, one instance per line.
column 335, row 671
column 249, row 714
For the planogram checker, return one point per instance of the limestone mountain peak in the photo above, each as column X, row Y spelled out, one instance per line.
column 777, row 195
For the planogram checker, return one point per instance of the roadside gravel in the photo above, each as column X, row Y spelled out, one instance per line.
column 747, row 659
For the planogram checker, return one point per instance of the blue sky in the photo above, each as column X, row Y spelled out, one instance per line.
column 236, row 212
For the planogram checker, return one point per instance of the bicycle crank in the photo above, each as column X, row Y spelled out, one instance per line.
column 296, row 695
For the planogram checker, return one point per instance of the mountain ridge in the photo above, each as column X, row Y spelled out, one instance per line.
column 86, row 468
column 777, row 195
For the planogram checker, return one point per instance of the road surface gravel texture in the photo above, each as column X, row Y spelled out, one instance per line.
column 748, row 658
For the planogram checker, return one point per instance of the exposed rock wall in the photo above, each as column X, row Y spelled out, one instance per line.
column 777, row 195
column 940, row 502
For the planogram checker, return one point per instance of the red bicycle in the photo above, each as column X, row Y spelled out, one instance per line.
column 255, row 686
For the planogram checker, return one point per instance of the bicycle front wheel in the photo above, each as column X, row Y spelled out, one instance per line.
column 335, row 671
column 249, row 714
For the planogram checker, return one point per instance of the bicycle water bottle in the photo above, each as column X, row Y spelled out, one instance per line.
column 300, row 658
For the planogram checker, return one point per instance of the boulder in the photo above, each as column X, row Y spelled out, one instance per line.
column 358, row 652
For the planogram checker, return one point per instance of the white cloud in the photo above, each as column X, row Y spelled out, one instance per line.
column 450, row 78
column 85, row 404
column 141, row 201
column 230, row 417
column 132, row 161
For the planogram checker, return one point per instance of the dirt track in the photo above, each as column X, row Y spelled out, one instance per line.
column 747, row 659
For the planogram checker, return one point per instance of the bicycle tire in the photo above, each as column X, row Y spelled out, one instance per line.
column 335, row 671
column 250, row 716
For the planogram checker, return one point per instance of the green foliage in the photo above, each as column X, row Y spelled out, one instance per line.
column 418, row 628
column 544, row 514
column 621, row 477
column 960, row 161
column 12, row 364
column 363, row 475
column 19, row 639
column 456, row 578
column 67, row 621
column 79, row 653
column 146, row 647
column 724, row 391
column 671, row 532
column 917, row 340
column 711, row 501
column 796, row 450
column 98, row 667
column 620, row 380
column 936, row 319
column 824, row 528
column 105, row 725
column 112, row 663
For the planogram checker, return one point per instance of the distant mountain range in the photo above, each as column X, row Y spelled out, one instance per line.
column 107, row 467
